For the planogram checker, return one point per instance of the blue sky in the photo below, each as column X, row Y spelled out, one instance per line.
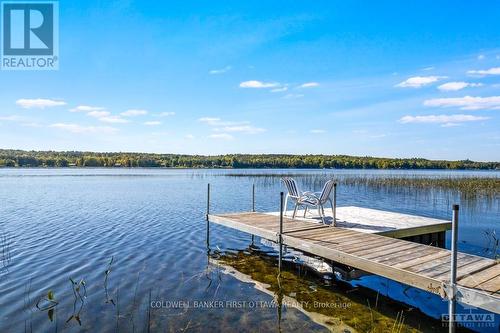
column 392, row 79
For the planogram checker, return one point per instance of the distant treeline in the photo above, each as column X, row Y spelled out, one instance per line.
column 20, row 158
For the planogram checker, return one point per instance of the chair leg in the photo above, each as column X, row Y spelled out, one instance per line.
column 305, row 211
column 286, row 202
column 333, row 213
column 295, row 210
column 321, row 213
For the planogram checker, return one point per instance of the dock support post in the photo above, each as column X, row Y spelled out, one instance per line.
column 334, row 203
column 253, row 198
column 253, row 208
column 208, row 213
column 453, row 272
column 280, row 238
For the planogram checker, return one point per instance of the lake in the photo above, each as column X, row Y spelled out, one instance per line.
column 125, row 250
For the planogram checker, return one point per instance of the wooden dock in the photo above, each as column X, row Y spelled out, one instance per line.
column 369, row 249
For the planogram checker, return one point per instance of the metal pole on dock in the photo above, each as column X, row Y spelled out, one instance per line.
column 253, row 207
column 334, row 203
column 208, row 213
column 280, row 238
column 253, row 197
column 453, row 272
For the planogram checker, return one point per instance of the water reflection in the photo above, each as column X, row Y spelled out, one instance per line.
column 5, row 255
column 333, row 304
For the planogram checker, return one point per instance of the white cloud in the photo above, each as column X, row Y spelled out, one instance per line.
column 23, row 121
column 225, row 127
column 38, row 103
column 258, row 84
column 466, row 103
column 430, row 68
column 242, row 129
column 293, row 96
column 101, row 114
column 222, row 136
column 318, row 131
column 220, row 71
column 483, row 72
column 87, row 108
column 481, row 57
column 445, row 120
column 152, row 123
column 231, row 126
column 279, row 89
column 134, row 113
column 451, row 125
column 309, row 85
column 166, row 114
column 98, row 114
column 114, row 120
column 13, row 118
column 454, row 86
column 210, row 120
column 419, row 81
column 213, row 121
column 189, row 136
column 78, row 129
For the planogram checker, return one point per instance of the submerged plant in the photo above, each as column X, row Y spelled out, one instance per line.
column 106, row 275
column 80, row 293
column 48, row 304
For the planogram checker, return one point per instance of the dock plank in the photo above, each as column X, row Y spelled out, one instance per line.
column 405, row 259
column 430, row 265
column 425, row 259
column 411, row 251
column 353, row 246
column 480, row 277
column 462, row 259
column 468, row 269
column 490, row 286
column 394, row 249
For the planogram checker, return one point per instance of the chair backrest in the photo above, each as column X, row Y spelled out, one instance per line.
column 291, row 186
column 327, row 189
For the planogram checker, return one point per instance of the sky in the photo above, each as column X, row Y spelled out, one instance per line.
column 388, row 78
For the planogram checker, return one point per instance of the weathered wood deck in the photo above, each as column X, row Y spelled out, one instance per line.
column 380, row 222
column 418, row 265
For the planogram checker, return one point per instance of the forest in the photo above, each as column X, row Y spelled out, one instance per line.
column 21, row 158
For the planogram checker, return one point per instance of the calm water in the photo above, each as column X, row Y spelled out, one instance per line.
column 128, row 238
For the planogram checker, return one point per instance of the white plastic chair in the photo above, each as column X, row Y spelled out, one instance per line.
column 293, row 193
column 319, row 202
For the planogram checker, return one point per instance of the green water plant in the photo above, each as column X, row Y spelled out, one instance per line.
column 47, row 303
column 80, row 294
column 106, row 275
